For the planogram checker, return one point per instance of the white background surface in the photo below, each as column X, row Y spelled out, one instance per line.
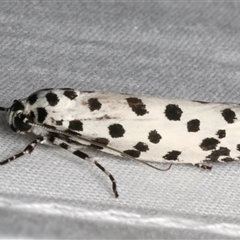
column 179, row 50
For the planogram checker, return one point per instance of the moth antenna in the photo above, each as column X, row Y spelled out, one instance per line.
column 95, row 143
column 3, row 109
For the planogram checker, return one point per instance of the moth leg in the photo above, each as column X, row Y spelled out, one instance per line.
column 28, row 150
column 203, row 166
column 78, row 153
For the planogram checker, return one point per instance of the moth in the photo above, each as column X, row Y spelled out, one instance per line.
column 142, row 128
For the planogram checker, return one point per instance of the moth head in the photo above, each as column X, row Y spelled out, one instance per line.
column 17, row 120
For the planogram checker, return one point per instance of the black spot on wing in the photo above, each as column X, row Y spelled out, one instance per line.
column 17, row 105
column 94, row 104
column 229, row 115
column 142, row 147
column 116, row 130
column 238, row 147
column 59, row 122
column 132, row 153
column 103, row 141
column 173, row 112
column 66, row 88
column 52, row 99
column 173, row 155
column 71, row 94
column 42, row 114
column 32, row 99
column 45, row 89
column 137, row 106
column 75, row 125
column 222, row 151
column 209, row 144
column 154, row 136
column 221, row 133
column 193, row 125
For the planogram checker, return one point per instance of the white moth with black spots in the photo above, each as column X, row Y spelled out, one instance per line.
column 136, row 127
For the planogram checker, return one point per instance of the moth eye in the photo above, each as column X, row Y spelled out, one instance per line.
column 20, row 125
